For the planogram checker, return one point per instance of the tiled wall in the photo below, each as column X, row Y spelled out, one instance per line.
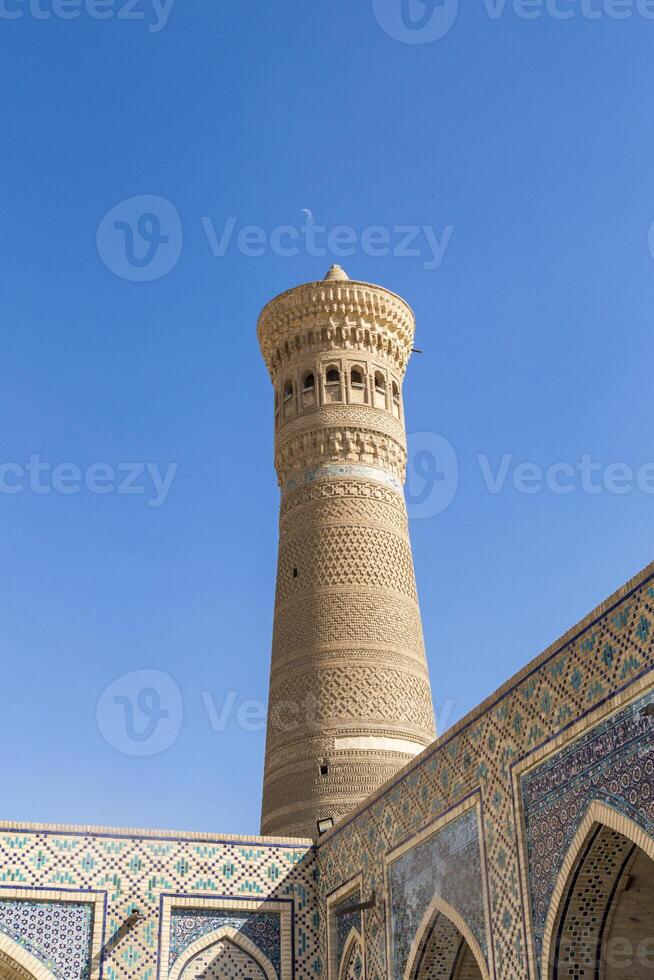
column 522, row 770
column 65, row 896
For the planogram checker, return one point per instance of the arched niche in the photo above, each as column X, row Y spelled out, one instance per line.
column 445, row 948
column 600, row 922
column 352, row 962
column 224, row 953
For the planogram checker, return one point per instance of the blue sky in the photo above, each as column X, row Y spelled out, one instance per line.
column 524, row 146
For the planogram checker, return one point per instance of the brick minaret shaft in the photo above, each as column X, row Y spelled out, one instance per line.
column 350, row 700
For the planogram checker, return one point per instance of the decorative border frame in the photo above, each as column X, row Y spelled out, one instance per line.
column 519, row 768
column 335, row 898
column 222, row 903
column 97, row 899
column 471, row 802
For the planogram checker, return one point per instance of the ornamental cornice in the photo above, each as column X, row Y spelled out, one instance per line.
column 335, row 314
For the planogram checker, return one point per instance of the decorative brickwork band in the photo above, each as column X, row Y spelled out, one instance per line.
column 350, row 700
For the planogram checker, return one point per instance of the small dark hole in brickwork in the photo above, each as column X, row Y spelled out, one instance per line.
column 295, row 573
column 324, row 770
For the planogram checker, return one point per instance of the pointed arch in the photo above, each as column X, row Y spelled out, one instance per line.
column 353, row 942
column 439, row 907
column 228, row 934
column 19, row 964
column 599, row 817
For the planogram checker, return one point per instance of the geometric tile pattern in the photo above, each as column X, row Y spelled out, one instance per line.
column 346, row 923
column 596, row 661
column 613, row 763
column 448, row 865
column 135, row 868
column 56, row 933
column 262, row 928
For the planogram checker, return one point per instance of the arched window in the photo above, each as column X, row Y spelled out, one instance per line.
column 288, row 390
column 333, row 392
column 396, row 392
column 380, row 382
column 308, row 382
column 356, row 378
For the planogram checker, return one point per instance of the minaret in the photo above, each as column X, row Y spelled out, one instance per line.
column 350, row 700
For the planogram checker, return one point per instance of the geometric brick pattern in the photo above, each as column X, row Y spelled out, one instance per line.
column 324, row 557
column 592, row 669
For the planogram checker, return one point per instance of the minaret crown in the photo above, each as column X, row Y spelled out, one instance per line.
column 337, row 272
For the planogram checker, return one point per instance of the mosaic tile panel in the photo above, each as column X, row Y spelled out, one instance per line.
column 613, row 763
column 134, row 871
column 346, row 923
column 56, row 933
column 262, row 928
column 448, row 865
column 608, row 655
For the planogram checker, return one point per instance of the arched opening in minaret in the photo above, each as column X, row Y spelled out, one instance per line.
column 289, row 400
column 308, row 390
column 357, row 386
column 380, row 390
column 605, row 917
column 333, row 384
column 395, row 389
